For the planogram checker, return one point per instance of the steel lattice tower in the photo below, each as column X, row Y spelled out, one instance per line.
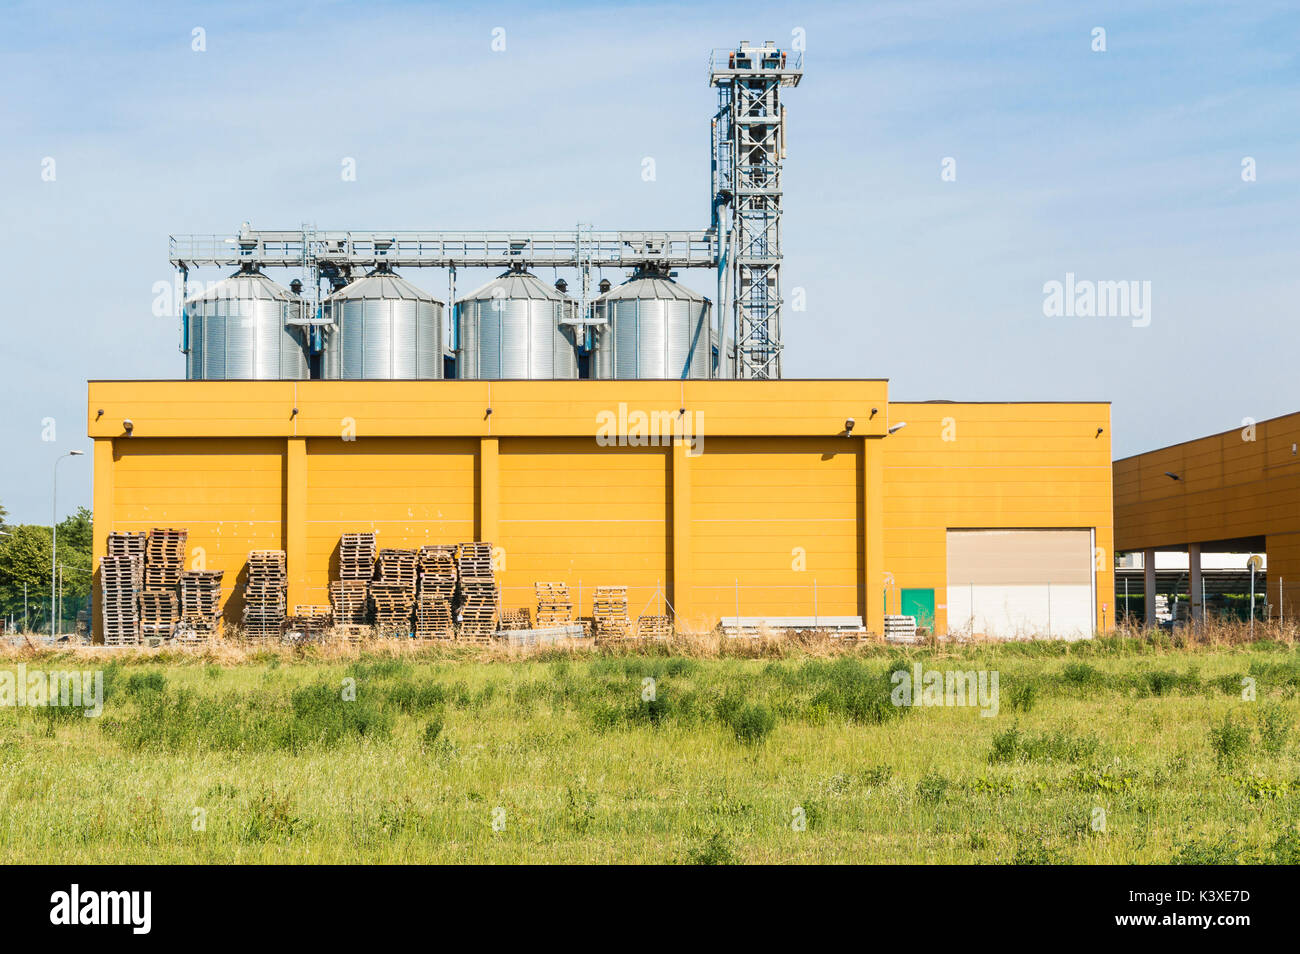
column 748, row 151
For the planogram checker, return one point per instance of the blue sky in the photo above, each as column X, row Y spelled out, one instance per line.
column 1115, row 165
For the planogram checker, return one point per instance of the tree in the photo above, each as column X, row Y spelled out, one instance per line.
column 25, row 558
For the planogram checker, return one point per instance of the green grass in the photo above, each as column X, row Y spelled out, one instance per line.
column 626, row 758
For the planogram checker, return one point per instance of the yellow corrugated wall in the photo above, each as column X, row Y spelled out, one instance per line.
column 228, row 494
column 575, row 512
column 411, row 491
column 776, row 527
column 992, row 466
column 520, row 464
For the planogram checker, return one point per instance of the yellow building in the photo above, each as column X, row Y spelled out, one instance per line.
column 1237, row 492
column 705, row 498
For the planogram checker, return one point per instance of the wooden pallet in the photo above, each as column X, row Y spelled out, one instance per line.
column 516, row 619
column 609, row 608
column 353, row 632
column 476, row 592
column 118, row 592
column 554, row 608
column 200, row 603
column 165, row 547
column 265, row 599
column 306, row 628
column 397, row 566
column 474, row 562
column 478, row 618
column 393, row 602
column 433, row 619
column 654, row 627
column 357, row 556
column 437, row 572
column 159, row 612
column 350, row 602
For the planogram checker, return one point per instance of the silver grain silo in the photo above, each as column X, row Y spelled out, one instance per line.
column 653, row 328
column 384, row 327
column 511, row 328
column 239, row 330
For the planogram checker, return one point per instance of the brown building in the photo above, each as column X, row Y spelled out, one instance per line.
column 1235, row 492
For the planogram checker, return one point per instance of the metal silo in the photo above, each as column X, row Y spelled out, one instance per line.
column 239, row 330
column 511, row 328
column 384, row 327
column 653, row 328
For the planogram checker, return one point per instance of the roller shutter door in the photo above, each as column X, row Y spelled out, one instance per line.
column 1021, row 583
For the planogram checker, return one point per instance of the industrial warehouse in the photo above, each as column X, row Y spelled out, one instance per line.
column 611, row 463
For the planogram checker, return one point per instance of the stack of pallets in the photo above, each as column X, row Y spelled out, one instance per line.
column 654, row 627
column 437, row 587
column 132, row 545
column 200, row 603
column 478, row 591
column 350, row 593
column 117, row 598
column 349, row 600
column 609, row 607
column 357, row 556
column 164, row 559
column 159, row 613
column 516, row 619
column 554, row 607
column 392, row 603
column 307, row 624
column 392, row 592
column 264, row 594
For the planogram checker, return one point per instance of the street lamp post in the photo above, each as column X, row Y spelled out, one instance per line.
column 54, row 542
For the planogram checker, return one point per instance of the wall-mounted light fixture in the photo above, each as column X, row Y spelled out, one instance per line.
column 897, row 427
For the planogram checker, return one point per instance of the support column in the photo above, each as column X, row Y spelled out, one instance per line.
column 873, row 533
column 1149, row 586
column 489, row 491
column 102, row 507
column 681, row 524
column 1195, row 594
column 294, row 533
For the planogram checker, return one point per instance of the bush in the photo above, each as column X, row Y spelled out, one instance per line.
column 1023, row 695
column 269, row 817
column 1011, row 746
column 1229, row 741
column 715, row 850
column 1082, row 676
column 932, row 787
column 1274, row 725
column 142, row 682
column 753, row 723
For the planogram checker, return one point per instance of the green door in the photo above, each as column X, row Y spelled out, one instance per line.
column 919, row 603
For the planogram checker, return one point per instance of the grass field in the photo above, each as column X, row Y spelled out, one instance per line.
column 1115, row 750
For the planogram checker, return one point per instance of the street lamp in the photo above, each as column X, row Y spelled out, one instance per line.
column 54, row 542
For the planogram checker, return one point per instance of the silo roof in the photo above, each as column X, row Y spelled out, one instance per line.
column 253, row 285
column 384, row 285
column 652, row 287
column 516, row 285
